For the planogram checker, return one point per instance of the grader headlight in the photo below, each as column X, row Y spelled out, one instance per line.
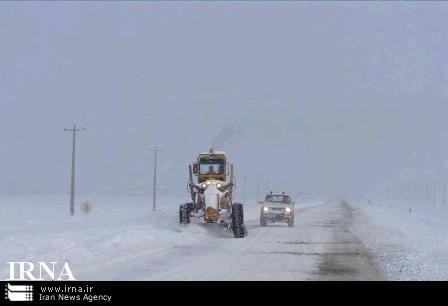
column 288, row 210
column 265, row 209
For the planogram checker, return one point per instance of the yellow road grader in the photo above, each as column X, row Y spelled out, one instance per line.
column 212, row 195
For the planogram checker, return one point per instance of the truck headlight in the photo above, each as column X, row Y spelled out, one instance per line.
column 204, row 185
column 265, row 208
column 218, row 185
column 288, row 210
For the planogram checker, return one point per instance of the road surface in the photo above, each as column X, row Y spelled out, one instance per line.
column 321, row 246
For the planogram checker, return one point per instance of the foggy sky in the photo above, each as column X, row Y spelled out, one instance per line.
column 318, row 97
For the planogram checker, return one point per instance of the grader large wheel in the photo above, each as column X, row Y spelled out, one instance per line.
column 238, row 220
column 184, row 213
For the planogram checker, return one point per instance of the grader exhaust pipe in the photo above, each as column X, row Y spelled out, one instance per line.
column 191, row 185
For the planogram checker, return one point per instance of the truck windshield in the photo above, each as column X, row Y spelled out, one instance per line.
column 211, row 166
column 278, row 198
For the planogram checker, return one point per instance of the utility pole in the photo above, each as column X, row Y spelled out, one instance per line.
column 72, row 189
column 415, row 193
column 434, row 193
column 426, row 193
column 444, row 192
column 154, row 179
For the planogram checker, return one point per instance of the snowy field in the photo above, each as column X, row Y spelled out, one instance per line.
column 410, row 240
column 38, row 228
column 122, row 239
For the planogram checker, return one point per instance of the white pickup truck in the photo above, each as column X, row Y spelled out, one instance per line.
column 277, row 208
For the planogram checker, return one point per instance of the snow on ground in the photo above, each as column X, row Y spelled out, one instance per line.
column 410, row 240
column 38, row 228
column 123, row 239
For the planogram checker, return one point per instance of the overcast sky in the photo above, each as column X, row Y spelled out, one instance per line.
column 319, row 97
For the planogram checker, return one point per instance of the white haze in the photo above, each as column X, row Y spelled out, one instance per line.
column 321, row 98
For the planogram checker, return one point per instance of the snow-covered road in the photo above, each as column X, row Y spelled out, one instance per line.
column 319, row 247
column 123, row 240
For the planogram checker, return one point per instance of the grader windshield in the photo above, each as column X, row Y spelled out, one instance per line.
column 211, row 166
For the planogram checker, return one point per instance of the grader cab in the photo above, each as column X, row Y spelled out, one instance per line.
column 212, row 194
